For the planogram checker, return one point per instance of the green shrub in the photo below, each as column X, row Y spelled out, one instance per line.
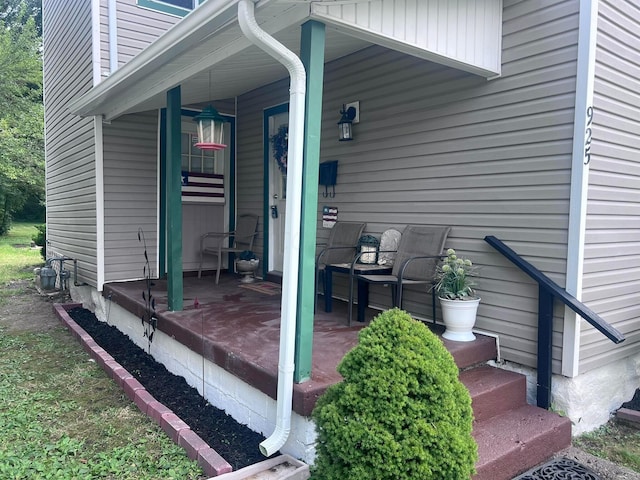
column 40, row 239
column 400, row 412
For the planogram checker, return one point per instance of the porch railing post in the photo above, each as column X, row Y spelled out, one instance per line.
column 545, row 346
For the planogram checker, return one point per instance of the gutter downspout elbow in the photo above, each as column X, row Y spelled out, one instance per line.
column 289, row 303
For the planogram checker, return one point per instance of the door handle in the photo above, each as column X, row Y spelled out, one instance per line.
column 274, row 211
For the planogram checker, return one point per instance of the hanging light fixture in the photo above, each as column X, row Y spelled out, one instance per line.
column 345, row 125
column 210, row 129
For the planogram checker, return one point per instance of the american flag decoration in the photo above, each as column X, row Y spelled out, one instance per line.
column 202, row 188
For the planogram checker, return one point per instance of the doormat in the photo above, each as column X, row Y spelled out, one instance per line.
column 560, row 468
column 268, row 288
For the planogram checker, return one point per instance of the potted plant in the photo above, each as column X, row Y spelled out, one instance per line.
column 455, row 289
column 246, row 265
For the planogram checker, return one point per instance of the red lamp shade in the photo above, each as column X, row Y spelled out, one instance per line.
column 210, row 129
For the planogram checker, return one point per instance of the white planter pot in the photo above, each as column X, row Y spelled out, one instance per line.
column 459, row 318
column 247, row 269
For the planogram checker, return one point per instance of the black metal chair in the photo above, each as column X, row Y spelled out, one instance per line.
column 243, row 237
column 341, row 247
column 418, row 254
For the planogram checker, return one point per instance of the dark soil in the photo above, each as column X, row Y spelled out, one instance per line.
column 236, row 443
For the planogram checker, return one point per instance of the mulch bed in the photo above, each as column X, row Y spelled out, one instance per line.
column 236, row 443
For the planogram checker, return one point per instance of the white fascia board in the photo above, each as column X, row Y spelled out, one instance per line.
column 113, row 36
column 99, row 178
column 126, row 102
column 202, row 22
column 585, row 77
column 96, row 57
column 158, row 199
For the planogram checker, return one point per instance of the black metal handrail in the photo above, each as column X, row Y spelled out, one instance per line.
column 548, row 290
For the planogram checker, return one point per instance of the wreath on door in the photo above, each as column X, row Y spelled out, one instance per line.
column 280, row 145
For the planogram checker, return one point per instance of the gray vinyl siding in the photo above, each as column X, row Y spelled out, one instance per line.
column 612, row 250
column 70, row 144
column 130, row 195
column 437, row 146
column 137, row 28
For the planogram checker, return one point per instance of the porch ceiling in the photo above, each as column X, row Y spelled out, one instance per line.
column 209, row 57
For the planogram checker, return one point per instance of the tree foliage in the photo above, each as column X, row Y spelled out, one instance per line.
column 400, row 413
column 21, row 109
column 15, row 13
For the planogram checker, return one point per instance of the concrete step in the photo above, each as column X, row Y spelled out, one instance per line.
column 494, row 391
column 512, row 436
column 517, row 440
column 467, row 354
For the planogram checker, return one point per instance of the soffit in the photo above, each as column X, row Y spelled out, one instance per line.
column 209, row 57
column 209, row 60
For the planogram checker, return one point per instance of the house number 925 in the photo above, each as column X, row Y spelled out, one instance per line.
column 587, row 142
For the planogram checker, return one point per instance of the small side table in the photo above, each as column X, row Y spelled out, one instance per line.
column 363, row 287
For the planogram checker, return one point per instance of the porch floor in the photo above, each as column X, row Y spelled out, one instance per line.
column 239, row 328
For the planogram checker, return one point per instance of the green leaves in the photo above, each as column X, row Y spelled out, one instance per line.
column 455, row 278
column 400, row 412
column 63, row 418
column 21, row 112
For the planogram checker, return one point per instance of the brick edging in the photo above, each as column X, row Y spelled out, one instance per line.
column 628, row 415
column 197, row 449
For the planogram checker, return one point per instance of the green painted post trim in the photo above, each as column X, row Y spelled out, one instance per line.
column 174, row 201
column 231, row 175
column 312, row 56
column 162, row 228
column 232, row 171
column 265, row 193
column 266, row 152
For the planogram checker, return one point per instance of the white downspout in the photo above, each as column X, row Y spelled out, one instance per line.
column 297, row 90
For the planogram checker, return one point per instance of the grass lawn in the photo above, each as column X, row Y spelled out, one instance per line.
column 17, row 258
column 61, row 416
column 615, row 441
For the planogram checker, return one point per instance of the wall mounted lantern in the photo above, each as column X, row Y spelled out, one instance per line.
column 210, row 129
column 345, row 125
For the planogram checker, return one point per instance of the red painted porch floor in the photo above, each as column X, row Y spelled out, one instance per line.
column 238, row 329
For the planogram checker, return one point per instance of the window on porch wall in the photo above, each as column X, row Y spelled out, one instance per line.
column 195, row 160
column 173, row 7
column 203, row 171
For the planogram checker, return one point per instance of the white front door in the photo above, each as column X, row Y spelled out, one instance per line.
column 278, row 125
